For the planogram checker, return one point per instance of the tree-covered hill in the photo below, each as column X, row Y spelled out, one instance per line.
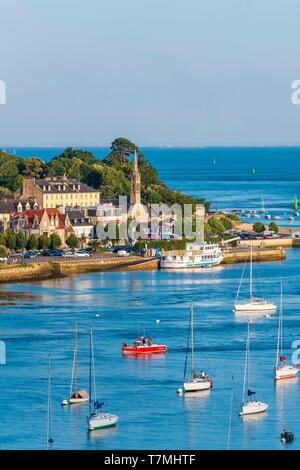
column 110, row 176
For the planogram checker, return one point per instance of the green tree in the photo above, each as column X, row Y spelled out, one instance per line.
column 2, row 239
column 9, row 176
column 20, row 240
column 226, row 223
column 43, row 242
column 258, row 227
column 72, row 241
column 32, row 243
column 216, row 225
column 55, row 241
column 121, row 148
column 34, row 168
column 3, row 251
column 11, row 240
column 273, row 227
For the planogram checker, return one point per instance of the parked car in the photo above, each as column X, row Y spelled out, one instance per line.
column 30, row 254
column 118, row 248
column 82, row 254
column 50, row 252
column 123, row 253
column 3, row 259
column 68, row 254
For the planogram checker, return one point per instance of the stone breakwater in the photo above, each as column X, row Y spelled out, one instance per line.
column 50, row 270
column 236, row 255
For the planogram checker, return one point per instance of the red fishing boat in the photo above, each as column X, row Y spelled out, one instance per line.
column 143, row 346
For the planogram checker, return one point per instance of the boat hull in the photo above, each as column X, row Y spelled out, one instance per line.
column 178, row 265
column 255, row 307
column 285, row 372
column 197, row 386
column 143, row 350
column 76, row 401
column 102, row 421
column 253, row 407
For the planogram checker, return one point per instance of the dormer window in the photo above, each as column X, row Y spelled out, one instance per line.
column 74, row 187
column 44, row 188
column 59, row 187
column 78, row 186
column 49, row 187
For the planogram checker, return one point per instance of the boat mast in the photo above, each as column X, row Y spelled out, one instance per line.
column 49, row 417
column 246, row 365
column 248, row 357
column 90, row 375
column 251, row 272
column 74, row 368
column 279, row 337
column 193, row 354
column 230, row 418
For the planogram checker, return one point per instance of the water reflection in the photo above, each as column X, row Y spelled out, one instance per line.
column 244, row 316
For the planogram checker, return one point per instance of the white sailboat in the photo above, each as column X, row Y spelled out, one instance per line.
column 251, row 405
column 202, row 381
column 97, row 419
column 282, row 369
column 254, row 304
column 262, row 210
column 77, row 395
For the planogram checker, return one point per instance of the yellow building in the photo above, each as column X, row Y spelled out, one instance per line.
column 52, row 193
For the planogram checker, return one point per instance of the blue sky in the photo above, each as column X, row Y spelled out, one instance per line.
column 174, row 72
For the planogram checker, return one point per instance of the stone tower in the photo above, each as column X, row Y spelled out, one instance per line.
column 135, row 193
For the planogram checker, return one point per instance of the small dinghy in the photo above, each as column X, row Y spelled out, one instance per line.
column 76, row 396
column 286, row 437
column 251, row 405
column 197, row 382
column 143, row 346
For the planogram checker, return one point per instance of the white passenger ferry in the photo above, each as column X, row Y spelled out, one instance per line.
column 194, row 256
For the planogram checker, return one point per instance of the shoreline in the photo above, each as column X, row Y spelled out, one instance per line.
column 59, row 269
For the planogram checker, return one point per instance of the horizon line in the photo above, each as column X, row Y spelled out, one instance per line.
column 158, row 146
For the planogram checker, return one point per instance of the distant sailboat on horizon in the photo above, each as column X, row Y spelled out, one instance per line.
column 296, row 206
column 262, row 210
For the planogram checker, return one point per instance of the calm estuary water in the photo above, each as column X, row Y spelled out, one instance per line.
column 122, row 305
column 143, row 391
